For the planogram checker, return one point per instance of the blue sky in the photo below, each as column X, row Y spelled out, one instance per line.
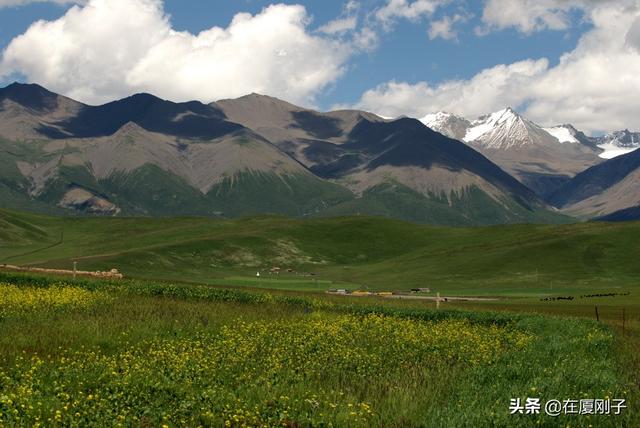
column 400, row 69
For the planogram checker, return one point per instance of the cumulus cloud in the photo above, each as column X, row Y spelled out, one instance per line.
column 489, row 90
column 633, row 36
column 15, row 3
column 346, row 22
column 529, row 16
column 445, row 27
column 596, row 86
column 404, row 9
column 111, row 48
column 339, row 25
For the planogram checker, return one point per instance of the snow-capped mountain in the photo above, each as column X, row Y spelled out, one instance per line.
column 618, row 143
column 505, row 129
column 540, row 158
column 610, row 145
column 447, row 124
column 502, row 129
column 568, row 134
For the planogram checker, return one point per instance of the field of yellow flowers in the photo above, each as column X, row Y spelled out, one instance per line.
column 83, row 354
column 29, row 301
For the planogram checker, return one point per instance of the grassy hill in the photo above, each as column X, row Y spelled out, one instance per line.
column 362, row 252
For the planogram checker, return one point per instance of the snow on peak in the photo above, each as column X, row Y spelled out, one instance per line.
column 448, row 124
column 619, row 143
column 502, row 129
column 563, row 133
column 438, row 118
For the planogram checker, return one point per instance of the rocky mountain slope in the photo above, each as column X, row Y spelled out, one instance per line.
column 610, row 190
column 145, row 156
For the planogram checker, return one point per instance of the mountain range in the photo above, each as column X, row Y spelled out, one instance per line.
column 146, row 156
column 557, row 162
column 143, row 155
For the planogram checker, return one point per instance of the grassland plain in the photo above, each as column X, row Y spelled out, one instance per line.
column 150, row 353
column 368, row 253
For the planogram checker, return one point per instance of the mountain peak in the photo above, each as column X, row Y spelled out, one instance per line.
column 255, row 101
column 502, row 129
column 29, row 95
column 24, row 86
column 447, row 124
column 564, row 133
column 505, row 114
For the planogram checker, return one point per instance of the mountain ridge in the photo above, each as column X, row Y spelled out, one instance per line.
column 142, row 155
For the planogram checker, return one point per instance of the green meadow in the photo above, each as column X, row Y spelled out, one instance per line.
column 361, row 252
column 138, row 353
column 193, row 337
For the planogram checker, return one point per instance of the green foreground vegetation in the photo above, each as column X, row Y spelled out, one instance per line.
column 141, row 353
column 194, row 337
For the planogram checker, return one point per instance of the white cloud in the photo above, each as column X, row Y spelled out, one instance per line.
column 339, row 25
column 365, row 39
column 596, row 86
column 633, row 36
column 15, row 3
column 444, row 28
column 529, row 16
column 404, row 9
column 489, row 90
column 111, row 48
column 346, row 22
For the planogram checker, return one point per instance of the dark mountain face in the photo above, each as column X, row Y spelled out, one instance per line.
column 318, row 126
column 189, row 120
column 31, row 96
column 596, row 179
column 627, row 214
column 407, row 142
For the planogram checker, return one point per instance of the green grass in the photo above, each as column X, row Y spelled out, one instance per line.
column 370, row 253
column 282, row 283
column 469, row 207
column 520, row 264
column 292, row 359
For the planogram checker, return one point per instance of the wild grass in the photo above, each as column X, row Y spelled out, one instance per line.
column 181, row 355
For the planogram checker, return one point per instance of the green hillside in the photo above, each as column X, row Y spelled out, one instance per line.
column 366, row 252
column 471, row 207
